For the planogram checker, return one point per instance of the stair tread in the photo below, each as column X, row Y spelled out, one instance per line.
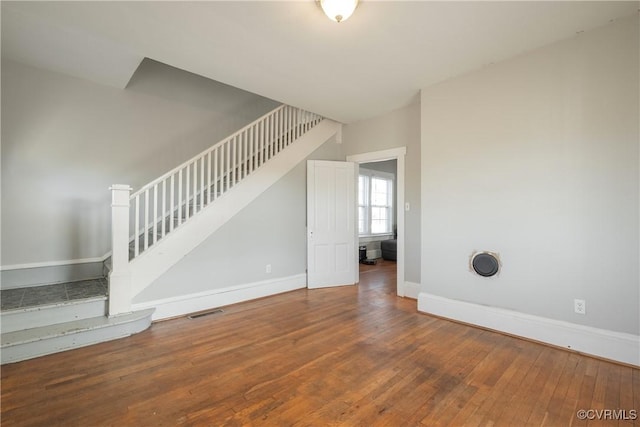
column 33, row 308
column 76, row 326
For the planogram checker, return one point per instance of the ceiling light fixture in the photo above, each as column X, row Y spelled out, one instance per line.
column 338, row 10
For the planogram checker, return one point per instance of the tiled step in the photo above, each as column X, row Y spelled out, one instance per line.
column 47, row 314
column 36, row 306
column 40, row 341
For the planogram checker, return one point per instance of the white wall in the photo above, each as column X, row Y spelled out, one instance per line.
column 536, row 158
column 271, row 230
column 399, row 128
column 66, row 140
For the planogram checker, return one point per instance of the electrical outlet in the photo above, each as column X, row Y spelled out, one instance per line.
column 579, row 306
column 267, row 269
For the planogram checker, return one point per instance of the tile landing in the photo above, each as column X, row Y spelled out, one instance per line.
column 13, row 299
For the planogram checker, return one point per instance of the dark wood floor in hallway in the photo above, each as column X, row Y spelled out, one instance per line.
column 352, row 356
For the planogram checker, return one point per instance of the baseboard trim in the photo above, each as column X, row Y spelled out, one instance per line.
column 50, row 273
column 54, row 263
column 616, row 346
column 411, row 290
column 186, row 304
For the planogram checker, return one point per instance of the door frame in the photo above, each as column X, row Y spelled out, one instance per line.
column 397, row 154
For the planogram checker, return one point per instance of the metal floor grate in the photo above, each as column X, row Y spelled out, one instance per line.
column 205, row 313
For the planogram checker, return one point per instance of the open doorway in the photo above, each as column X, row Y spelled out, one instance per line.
column 398, row 156
column 377, row 224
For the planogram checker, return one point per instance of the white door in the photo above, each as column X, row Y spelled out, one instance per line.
column 331, row 234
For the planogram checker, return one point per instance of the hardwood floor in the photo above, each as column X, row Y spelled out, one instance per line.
column 342, row 356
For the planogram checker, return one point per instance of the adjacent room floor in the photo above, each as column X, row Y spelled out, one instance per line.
column 354, row 355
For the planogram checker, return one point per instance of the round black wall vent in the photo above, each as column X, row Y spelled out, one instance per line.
column 485, row 264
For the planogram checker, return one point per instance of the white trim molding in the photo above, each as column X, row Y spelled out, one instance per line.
column 378, row 156
column 617, row 346
column 54, row 263
column 185, row 304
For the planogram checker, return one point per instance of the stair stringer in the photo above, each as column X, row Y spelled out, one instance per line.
column 155, row 261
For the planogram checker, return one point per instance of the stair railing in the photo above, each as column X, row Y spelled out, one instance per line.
column 164, row 204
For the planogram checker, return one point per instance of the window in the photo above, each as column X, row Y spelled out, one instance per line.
column 375, row 203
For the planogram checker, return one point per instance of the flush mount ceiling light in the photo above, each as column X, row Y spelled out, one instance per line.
column 338, row 10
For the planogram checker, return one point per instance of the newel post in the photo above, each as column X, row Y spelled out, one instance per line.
column 120, row 276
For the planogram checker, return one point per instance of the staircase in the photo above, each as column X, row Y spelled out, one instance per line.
column 155, row 227
column 176, row 212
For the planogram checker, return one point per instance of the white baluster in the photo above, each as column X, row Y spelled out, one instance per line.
column 272, row 135
column 223, row 156
column 187, row 180
column 146, row 219
column 288, row 125
column 239, row 158
column 209, row 177
column 187, row 189
column 261, row 143
column 172, row 203
column 245, row 158
column 180, row 197
column 234, row 161
column 202, row 183
column 276, row 143
column 136, row 221
column 195, row 186
column 164, row 207
column 252, row 159
column 272, row 139
column 155, row 213
column 281, row 130
column 228, row 172
column 215, row 173
column 265, row 141
column 236, row 164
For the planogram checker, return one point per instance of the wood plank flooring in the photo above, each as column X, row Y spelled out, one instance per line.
column 350, row 356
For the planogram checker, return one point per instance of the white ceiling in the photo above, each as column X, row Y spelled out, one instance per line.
column 289, row 51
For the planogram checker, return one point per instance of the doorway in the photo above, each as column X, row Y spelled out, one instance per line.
column 377, row 224
column 399, row 155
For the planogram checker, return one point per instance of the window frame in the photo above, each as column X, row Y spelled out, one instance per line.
column 368, row 206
